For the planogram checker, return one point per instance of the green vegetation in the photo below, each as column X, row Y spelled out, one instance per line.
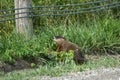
column 98, row 35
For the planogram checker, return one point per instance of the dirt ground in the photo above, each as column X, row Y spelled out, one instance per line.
column 98, row 74
column 18, row 65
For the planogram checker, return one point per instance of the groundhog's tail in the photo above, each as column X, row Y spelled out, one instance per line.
column 79, row 57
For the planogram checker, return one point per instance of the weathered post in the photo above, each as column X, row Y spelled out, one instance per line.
column 24, row 24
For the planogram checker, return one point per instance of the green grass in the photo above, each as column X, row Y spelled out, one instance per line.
column 99, row 35
column 60, row 69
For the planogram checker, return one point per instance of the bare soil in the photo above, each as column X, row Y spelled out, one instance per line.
column 19, row 64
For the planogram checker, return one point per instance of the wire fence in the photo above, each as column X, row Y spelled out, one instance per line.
column 68, row 9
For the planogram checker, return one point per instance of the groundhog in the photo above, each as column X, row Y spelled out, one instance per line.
column 63, row 45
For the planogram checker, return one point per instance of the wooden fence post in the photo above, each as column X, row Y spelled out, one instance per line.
column 23, row 25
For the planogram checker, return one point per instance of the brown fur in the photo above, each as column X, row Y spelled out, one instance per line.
column 63, row 45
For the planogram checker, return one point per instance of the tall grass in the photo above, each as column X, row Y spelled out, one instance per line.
column 51, row 20
column 97, row 35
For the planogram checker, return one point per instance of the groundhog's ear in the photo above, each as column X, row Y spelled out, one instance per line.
column 64, row 38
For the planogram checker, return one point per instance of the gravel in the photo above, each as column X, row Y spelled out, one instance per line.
column 98, row 74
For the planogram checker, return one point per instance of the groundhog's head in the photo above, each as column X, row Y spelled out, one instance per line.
column 59, row 39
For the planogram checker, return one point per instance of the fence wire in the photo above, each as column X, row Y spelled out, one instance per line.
column 57, row 12
column 57, row 6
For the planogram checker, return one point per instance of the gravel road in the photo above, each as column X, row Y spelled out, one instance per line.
column 98, row 74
